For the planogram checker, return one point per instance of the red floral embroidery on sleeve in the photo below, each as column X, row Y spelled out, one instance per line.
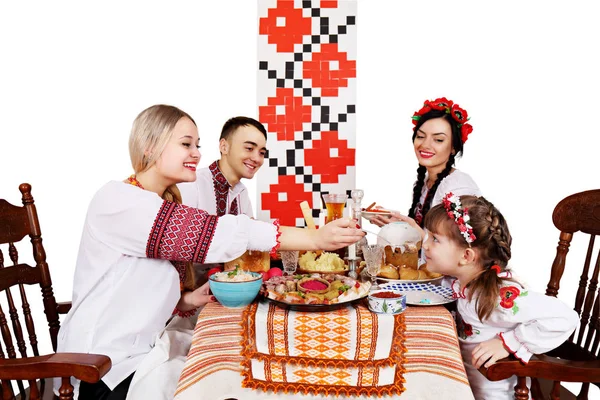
column 277, row 244
column 184, row 314
column 508, row 295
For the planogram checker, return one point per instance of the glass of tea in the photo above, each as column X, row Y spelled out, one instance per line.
column 335, row 206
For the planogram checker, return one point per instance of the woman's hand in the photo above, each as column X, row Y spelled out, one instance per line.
column 195, row 299
column 491, row 351
column 337, row 234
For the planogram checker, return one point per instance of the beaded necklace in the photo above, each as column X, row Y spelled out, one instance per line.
column 133, row 181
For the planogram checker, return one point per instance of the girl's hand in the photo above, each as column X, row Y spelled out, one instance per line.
column 337, row 234
column 491, row 351
column 201, row 296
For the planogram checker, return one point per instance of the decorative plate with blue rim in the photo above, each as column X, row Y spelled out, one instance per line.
column 422, row 294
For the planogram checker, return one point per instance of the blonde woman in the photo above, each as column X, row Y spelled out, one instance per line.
column 138, row 242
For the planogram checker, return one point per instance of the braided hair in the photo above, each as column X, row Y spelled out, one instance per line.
column 492, row 245
column 457, row 146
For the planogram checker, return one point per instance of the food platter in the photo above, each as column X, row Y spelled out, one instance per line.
column 314, row 307
column 314, row 292
column 422, row 294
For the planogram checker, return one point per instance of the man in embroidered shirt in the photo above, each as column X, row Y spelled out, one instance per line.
column 218, row 188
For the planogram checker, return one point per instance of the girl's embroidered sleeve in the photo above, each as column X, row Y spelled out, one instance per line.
column 185, row 314
column 539, row 323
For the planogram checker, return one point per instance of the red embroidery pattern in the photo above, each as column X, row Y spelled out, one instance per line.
column 180, row 266
column 277, row 244
column 233, row 210
column 329, row 80
column 288, row 209
column 185, row 314
column 463, row 329
column 295, row 114
column 458, row 294
column 508, row 295
column 181, row 233
column 133, row 181
column 287, row 35
column 306, row 99
column 330, row 157
column 221, row 191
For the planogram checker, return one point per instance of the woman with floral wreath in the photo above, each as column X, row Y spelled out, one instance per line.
column 439, row 134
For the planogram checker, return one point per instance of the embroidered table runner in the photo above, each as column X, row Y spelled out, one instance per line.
column 433, row 364
column 348, row 351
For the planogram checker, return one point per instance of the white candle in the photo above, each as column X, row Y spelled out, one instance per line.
column 352, row 251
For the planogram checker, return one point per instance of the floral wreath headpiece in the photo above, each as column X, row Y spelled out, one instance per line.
column 443, row 104
column 459, row 215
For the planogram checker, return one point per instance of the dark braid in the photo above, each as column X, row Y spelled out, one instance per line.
column 498, row 231
column 438, row 180
column 418, row 188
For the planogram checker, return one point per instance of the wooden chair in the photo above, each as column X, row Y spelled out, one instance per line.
column 15, row 224
column 577, row 359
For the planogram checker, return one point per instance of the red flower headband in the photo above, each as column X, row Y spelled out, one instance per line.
column 459, row 215
column 460, row 115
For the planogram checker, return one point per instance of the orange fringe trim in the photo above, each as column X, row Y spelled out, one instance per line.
column 249, row 352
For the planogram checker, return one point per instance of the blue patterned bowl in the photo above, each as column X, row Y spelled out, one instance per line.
column 235, row 294
column 382, row 305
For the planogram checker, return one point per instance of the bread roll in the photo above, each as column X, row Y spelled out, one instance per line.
column 408, row 273
column 429, row 274
column 251, row 260
column 389, row 271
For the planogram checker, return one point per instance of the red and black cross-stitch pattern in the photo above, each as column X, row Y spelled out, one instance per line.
column 181, row 233
column 307, row 101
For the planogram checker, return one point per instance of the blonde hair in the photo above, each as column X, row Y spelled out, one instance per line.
column 151, row 131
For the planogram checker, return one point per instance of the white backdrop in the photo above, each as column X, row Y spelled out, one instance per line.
column 73, row 76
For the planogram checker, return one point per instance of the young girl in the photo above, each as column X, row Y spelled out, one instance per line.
column 439, row 134
column 138, row 242
column 468, row 238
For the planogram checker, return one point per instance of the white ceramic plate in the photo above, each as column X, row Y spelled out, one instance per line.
column 433, row 281
column 422, row 294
